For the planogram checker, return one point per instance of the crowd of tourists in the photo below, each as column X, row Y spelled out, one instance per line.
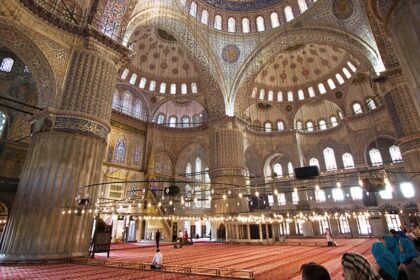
column 396, row 257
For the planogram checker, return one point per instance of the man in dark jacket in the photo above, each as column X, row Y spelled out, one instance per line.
column 157, row 237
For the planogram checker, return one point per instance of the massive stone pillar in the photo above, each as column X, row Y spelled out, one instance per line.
column 66, row 153
column 406, row 118
column 402, row 22
column 227, row 168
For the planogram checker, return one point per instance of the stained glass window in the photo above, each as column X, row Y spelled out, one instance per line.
column 329, row 158
column 303, row 6
column 375, row 157
column 119, row 155
column 348, row 161
column 288, row 13
column 267, row 127
column 395, row 153
column 7, row 64
column 278, row 170
column 245, row 25
column 218, row 22
column 205, row 17
column 274, row 20
column 314, row 162
column 280, row 126
column 260, row 24
column 231, row 25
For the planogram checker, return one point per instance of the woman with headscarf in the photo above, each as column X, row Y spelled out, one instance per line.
column 391, row 245
column 387, row 266
column 356, row 267
column 410, row 260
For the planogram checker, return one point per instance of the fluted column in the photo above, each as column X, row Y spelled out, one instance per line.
column 406, row 118
column 66, row 153
column 227, row 166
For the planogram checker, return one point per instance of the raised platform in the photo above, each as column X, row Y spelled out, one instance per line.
column 269, row 262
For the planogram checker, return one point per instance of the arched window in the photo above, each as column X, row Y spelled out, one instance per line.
column 375, row 157
column 290, row 96
column 267, row 127
column 290, row 169
column 275, row 22
column 173, row 121
column 339, row 78
column 288, row 13
column 188, row 195
column 301, row 94
column 7, row 64
column 320, row 196
column 262, row 94
column 205, row 17
column 270, row 95
column 188, row 170
column 395, row 153
column 126, row 103
column 184, row 89
column 356, row 193
column 125, row 74
column 277, row 170
column 322, row 125
column 194, row 88
column 173, row 88
column 161, row 118
column 329, row 158
column 231, row 25
column 351, row 66
column 299, row 125
column 309, row 126
column 193, row 9
column 162, row 88
column 218, row 22
column 260, row 24
column 280, row 125
column 303, row 6
column 185, row 121
column 311, row 92
column 357, row 108
column 321, row 88
column 314, row 162
column 2, row 123
column 348, row 161
column 280, row 96
column 245, row 25
column 407, row 190
column 338, row 194
column 152, row 85
column 137, row 109
column 333, row 121
column 331, row 84
column 197, row 199
column 346, row 73
column 197, row 170
column 142, row 83
column 119, row 155
column 133, row 79
column 370, row 104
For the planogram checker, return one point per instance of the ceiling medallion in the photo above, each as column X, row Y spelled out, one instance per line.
column 342, row 9
column 231, row 53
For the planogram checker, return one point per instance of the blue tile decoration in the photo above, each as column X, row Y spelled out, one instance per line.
column 240, row 6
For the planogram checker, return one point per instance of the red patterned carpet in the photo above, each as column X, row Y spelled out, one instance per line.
column 268, row 261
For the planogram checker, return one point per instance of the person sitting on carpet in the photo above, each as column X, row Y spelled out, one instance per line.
column 157, row 260
column 391, row 245
column 356, row 267
column 410, row 260
column 314, row 271
column 387, row 266
column 330, row 241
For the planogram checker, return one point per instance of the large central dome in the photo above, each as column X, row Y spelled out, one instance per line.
column 241, row 5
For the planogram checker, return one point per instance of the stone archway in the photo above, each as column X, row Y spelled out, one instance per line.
column 238, row 96
column 13, row 38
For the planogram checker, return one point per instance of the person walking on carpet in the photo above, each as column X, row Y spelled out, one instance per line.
column 157, row 237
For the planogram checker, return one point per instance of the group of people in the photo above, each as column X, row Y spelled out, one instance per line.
column 183, row 239
column 396, row 259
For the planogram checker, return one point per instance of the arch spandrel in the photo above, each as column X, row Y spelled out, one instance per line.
column 196, row 47
column 242, row 87
column 14, row 38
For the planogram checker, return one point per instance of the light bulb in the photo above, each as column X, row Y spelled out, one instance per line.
column 149, row 205
column 229, row 192
column 257, row 194
column 170, row 202
column 240, row 195
column 338, row 185
column 361, row 182
column 224, row 196
column 159, row 204
column 317, row 187
column 276, row 192
column 64, row 212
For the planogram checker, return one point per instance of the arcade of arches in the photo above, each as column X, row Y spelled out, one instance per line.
column 108, row 106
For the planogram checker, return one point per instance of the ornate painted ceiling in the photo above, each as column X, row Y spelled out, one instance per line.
column 159, row 55
column 242, row 5
column 301, row 66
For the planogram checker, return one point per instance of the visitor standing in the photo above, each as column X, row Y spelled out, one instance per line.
column 157, row 237
column 186, row 237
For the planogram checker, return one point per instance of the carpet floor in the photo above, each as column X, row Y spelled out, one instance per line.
column 269, row 262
